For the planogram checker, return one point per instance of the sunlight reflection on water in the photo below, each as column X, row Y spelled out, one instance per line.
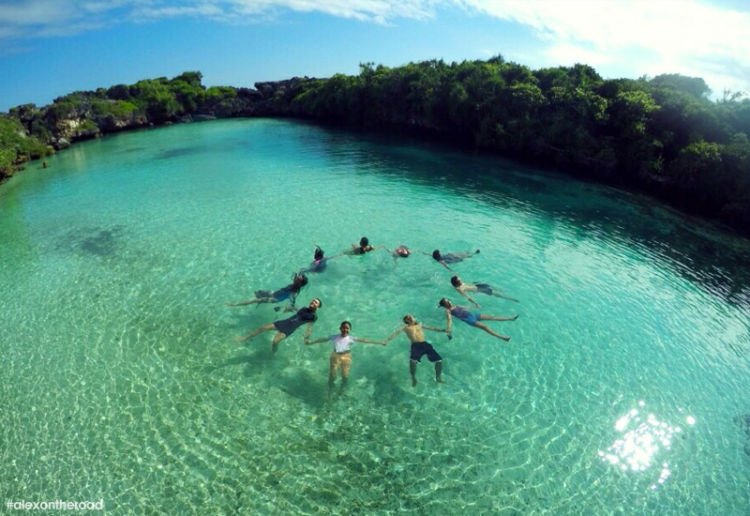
column 641, row 442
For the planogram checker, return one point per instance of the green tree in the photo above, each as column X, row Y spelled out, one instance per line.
column 156, row 98
column 693, row 86
column 698, row 175
column 16, row 146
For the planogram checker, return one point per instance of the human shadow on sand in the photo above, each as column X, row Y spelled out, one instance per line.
column 261, row 367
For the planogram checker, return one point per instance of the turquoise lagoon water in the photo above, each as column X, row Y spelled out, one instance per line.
column 622, row 391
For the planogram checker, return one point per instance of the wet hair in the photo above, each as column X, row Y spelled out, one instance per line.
column 318, row 253
column 320, row 303
column 436, row 254
column 444, row 302
column 347, row 323
column 455, row 281
column 407, row 316
column 364, row 242
column 300, row 279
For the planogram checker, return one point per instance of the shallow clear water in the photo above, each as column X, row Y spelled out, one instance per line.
column 623, row 389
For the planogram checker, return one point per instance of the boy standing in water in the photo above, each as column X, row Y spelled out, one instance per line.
column 419, row 347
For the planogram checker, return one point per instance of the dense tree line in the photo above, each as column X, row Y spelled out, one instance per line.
column 661, row 135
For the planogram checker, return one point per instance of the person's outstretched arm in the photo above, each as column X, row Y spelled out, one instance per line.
column 448, row 324
column 393, row 335
column 309, row 330
column 368, row 341
column 316, row 341
column 434, row 329
column 468, row 297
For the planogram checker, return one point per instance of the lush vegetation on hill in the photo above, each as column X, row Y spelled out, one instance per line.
column 29, row 132
column 16, row 146
column 661, row 135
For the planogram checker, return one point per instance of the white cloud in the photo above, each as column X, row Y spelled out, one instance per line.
column 630, row 37
column 37, row 12
column 156, row 11
column 668, row 36
column 379, row 11
column 53, row 15
column 44, row 18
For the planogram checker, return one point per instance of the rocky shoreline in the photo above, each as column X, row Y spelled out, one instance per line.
column 84, row 121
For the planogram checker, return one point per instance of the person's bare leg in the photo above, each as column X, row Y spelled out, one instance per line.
column 413, row 371
column 485, row 317
column 276, row 339
column 333, row 367
column 497, row 294
column 256, row 332
column 346, row 364
column 488, row 330
column 439, row 371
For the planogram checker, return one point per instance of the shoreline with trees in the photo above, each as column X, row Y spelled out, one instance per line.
column 661, row 136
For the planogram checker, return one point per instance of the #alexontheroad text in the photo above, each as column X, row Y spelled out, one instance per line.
column 56, row 505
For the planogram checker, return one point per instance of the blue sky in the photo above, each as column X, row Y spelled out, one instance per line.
column 50, row 48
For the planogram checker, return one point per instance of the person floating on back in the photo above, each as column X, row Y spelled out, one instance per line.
column 364, row 247
column 450, row 258
column 419, row 347
column 286, row 293
column 286, row 327
column 401, row 252
column 471, row 318
column 319, row 263
column 341, row 356
column 483, row 288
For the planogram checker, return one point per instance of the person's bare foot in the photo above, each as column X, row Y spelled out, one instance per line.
column 413, row 381
column 439, row 379
column 505, row 338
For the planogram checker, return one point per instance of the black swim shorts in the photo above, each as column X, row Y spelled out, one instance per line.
column 419, row 349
